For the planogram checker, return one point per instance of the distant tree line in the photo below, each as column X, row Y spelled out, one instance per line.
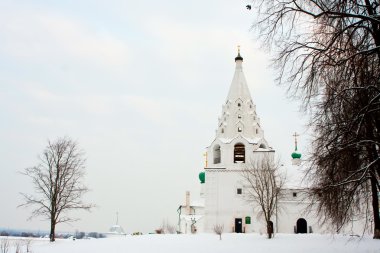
column 77, row 235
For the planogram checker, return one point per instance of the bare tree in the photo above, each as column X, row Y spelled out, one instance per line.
column 166, row 228
column 329, row 57
column 264, row 184
column 28, row 244
column 218, row 229
column 4, row 245
column 17, row 246
column 57, row 180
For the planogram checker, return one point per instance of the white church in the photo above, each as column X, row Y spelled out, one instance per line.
column 240, row 139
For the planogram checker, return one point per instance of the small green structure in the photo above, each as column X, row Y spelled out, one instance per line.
column 202, row 177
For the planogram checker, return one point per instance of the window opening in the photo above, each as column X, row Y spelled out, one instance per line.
column 239, row 153
column 217, row 154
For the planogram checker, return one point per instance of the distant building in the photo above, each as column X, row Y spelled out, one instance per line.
column 115, row 230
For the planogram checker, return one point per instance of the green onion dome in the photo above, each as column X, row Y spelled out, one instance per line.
column 202, row 177
column 296, row 155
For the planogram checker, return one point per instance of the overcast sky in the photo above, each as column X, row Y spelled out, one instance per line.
column 139, row 85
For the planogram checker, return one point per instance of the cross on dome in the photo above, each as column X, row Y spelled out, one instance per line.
column 295, row 135
column 295, row 154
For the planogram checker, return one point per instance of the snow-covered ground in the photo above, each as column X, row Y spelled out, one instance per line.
column 210, row 243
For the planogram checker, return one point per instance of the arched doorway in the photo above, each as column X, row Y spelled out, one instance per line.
column 301, row 226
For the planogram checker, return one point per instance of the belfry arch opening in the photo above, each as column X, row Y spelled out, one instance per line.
column 239, row 153
column 217, row 154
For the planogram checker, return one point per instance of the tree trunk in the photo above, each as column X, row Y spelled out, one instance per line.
column 269, row 229
column 52, row 229
column 375, row 207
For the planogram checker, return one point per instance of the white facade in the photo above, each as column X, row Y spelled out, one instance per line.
column 240, row 140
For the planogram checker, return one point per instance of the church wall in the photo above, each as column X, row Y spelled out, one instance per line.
column 223, row 204
column 293, row 207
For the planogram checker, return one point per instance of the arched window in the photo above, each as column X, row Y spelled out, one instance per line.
column 262, row 145
column 222, row 130
column 217, row 154
column 239, row 104
column 240, row 129
column 239, row 153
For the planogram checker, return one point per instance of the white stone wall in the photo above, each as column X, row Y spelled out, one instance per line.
column 291, row 208
column 223, row 204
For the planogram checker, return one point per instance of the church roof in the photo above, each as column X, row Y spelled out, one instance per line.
column 116, row 229
column 249, row 140
column 239, row 118
column 239, row 88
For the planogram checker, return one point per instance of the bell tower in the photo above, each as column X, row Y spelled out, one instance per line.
column 239, row 132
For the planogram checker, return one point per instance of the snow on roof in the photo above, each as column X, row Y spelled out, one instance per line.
column 263, row 150
column 191, row 217
column 249, row 140
column 226, row 140
column 116, row 229
column 252, row 140
column 198, row 202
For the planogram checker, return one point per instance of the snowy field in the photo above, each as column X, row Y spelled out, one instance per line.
column 209, row 243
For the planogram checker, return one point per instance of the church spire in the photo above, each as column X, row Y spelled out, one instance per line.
column 239, row 116
column 239, row 88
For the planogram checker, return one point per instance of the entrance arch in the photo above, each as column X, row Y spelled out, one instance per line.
column 301, row 226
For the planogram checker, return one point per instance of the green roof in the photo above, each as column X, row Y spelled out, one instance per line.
column 296, row 155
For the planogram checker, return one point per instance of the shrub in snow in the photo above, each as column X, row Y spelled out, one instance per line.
column 4, row 245
column 218, row 229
